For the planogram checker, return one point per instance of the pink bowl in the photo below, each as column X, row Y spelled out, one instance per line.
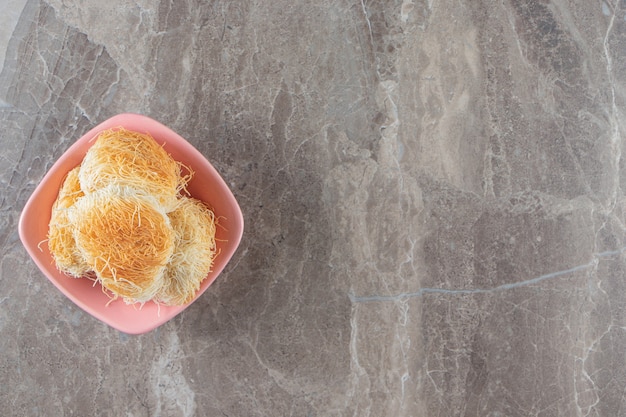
column 206, row 185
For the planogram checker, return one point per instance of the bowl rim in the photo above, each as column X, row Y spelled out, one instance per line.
column 73, row 156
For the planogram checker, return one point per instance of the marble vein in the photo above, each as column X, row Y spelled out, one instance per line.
column 504, row 287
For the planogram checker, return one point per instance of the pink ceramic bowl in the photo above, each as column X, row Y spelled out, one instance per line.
column 206, row 185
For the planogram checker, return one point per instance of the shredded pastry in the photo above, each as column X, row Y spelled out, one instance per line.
column 194, row 249
column 121, row 216
column 60, row 232
column 132, row 159
column 125, row 239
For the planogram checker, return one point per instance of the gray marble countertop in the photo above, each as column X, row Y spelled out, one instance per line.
column 432, row 192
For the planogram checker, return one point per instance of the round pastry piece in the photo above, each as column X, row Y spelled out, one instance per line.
column 194, row 250
column 60, row 231
column 132, row 159
column 126, row 239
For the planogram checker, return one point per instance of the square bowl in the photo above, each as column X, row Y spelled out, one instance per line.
column 206, row 185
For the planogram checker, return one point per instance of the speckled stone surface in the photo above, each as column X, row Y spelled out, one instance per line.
column 433, row 194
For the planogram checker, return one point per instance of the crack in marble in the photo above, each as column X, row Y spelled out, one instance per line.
column 504, row 287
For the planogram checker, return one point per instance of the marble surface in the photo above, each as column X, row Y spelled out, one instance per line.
column 433, row 192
